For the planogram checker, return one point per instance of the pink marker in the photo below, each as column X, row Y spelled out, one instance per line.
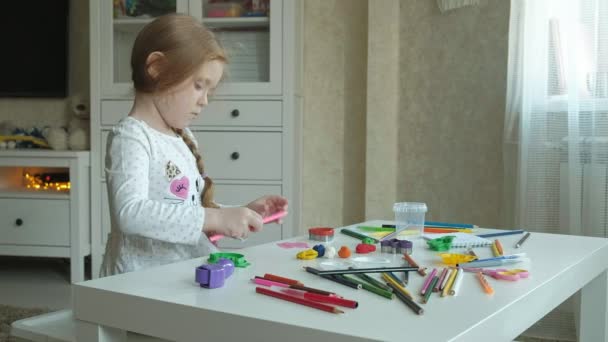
column 215, row 238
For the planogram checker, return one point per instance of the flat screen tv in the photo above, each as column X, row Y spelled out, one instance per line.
column 34, row 56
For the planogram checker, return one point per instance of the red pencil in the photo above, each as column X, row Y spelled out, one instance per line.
column 298, row 300
column 315, row 297
column 282, row 279
column 414, row 264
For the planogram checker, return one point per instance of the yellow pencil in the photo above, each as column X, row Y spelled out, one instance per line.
column 495, row 249
column 499, row 247
column 448, row 285
column 398, row 286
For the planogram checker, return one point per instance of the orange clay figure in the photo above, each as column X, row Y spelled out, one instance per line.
column 344, row 252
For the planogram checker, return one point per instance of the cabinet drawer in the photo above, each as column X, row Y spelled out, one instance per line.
column 258, row 154
column 241, row 194
column 42, row 222
column 241, row 113
column 241, row 155
column 217, row 113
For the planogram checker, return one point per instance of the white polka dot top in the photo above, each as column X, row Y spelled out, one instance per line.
column 154, row 197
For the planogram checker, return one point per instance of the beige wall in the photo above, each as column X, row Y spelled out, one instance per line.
column 27, row 112
column 450, row 110
column 335, row 44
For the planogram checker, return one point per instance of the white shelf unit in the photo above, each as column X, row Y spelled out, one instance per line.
column 46, row 223
column 247, row 131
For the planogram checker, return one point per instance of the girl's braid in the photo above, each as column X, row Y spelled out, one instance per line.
column 207, row 194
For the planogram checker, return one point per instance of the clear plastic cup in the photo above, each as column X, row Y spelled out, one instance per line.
column 410, row 216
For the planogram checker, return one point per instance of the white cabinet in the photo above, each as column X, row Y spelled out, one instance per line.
column 254, row 45
column 246, row 133
column 45, row 222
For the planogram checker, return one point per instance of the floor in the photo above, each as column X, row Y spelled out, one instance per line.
column 35, row 282
column 44, row 283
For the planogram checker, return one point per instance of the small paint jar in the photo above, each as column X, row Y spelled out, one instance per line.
column 324, row 234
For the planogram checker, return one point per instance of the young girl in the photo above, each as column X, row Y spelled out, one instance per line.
column 161, row 199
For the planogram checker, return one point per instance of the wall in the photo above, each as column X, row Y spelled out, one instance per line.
column 27, row 112
column 334, row 76
column 450, row 110
column 453, row 87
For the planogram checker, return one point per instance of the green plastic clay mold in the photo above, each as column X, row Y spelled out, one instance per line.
column 441, row 244
column 236, row 258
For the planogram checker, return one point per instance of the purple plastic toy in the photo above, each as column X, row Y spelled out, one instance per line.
column 212, row 276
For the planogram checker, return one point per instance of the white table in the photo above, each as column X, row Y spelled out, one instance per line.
column 166, row 302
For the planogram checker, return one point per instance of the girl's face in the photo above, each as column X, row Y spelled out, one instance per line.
column 183, row 103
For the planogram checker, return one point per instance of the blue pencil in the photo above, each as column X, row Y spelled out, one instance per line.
column 507, row 232
column 440, row 225
column 452, row 225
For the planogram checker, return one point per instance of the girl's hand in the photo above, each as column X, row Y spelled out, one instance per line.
column 268, row 205
column 232, row 222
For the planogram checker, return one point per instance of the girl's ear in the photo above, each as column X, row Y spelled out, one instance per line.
column 154, row 64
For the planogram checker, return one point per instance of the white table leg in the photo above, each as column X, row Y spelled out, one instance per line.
column 593, row 320
column 86, row 331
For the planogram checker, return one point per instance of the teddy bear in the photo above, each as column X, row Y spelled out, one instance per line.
column 74, row 136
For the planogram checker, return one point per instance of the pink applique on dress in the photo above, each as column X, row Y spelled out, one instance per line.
column 179, row 187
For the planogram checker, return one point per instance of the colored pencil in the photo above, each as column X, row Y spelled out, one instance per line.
column 369, row 287
column 499, row 247
column 374, row 281
column 446, row 230
column 311, row 289
column 395, row 285
column 282, row 279
column 266, row 282
column 437, row 287
column 357, row 235
column 360, row 270
column 427, row 229
column 457, row 282
column 298, row 300
column 522, row 240
column 495, row 251
column 448, row 285
column 406, row 300
column 342, row 281
column 490, row 263
column 440, row 224
column 315, row 297
column 506, row 232
column 395, row 278
column 414, row 264
column 427, row 295
column 427, row 282
column 484, row 283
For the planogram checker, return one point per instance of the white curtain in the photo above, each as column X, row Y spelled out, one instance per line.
column 556, row 124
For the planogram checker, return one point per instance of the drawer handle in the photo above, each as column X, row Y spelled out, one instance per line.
column 19, row 222
column 235, row 155
column 235, row 113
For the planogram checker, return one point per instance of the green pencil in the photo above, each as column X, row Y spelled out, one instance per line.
column 374, row 282
column 427, row 294
column 376, row 229
column 369, row 287
column 356, row 235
